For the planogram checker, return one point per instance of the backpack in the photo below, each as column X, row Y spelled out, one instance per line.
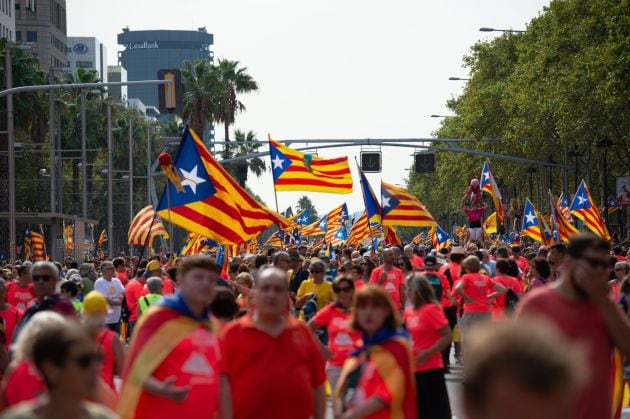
column 309, row 309
column 435, row 282
column 511, row 300
column 125, row 313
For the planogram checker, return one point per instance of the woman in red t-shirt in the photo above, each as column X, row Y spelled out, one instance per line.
column 335, row 317
column 377, row 381
column 430, row 334
column 476, row 289
column 510, row 283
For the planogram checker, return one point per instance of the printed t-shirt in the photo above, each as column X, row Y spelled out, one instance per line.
column 477, row 287
column 111, row 289
column 423, row 325
column 341, row 338
column 498, row 305
column 583, row 325
column 323, row 291
column 133, row 291
column 19, row 297
column 195, row 362
column 391, row 284
column 289, row 365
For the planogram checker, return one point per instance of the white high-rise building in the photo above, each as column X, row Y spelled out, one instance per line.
column 7, row 20
column 88, row 53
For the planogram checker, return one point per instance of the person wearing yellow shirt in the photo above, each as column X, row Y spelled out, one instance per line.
column 316, row 287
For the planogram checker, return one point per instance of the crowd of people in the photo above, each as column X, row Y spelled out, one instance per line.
column 279, row 333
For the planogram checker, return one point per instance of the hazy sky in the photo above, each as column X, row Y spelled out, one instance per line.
column 328, row 68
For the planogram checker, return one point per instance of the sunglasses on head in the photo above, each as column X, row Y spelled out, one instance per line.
column 45, row 278
column 340, row 290
column 597, row 263
column 86, row 360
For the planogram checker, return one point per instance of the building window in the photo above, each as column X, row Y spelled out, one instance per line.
column 17, row 6
column 18, row 36
column 30, row 5
column 85, row 64
column 31, row 36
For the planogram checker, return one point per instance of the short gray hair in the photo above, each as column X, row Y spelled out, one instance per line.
column 624, row 265
column 107, row 265
column 317, row 264
column 154, row 284
column 23, row 347
column 51, row 267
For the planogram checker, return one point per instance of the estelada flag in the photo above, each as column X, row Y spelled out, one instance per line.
column 400, row 208
column 212, row 203
column 296, row 171
column 584, row 208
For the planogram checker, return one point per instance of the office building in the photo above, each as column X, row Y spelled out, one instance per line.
column 117, row 73
column 43, row 24
column 7, row 19
column 146, row 52
column 88, row 53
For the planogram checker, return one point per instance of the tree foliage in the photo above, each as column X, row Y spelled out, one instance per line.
column 305, row 203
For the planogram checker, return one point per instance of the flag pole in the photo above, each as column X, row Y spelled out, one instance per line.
column 365, row 206
column 275, row 192
column 147, row 241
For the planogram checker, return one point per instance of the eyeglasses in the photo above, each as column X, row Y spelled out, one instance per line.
column 45, row 278
column 597, row 263
column 316, row 271
column 341, row 290
column 86, row 360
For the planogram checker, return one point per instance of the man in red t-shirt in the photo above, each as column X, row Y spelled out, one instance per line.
column 133, row 291
column 121, row 270
column 272, row 360
column 521, row 262
column 390, row 278
column 579, row 306
column 415, row 260
column 20, row 293
column 155, row 269
column 10, row 317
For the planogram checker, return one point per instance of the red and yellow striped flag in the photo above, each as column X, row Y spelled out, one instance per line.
column 212, row 203
column 38, row 245
column 359, row 231
column 390, row 235
column 584, row 208
column 295, row 171
column 400, row 208
column 145, row 226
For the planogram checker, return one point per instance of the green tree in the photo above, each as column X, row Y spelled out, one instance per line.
column 247, row 144
column 233, row 81
column 305, row 203
column 201, row 87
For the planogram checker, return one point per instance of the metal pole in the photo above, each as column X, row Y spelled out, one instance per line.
column 130, row 175
column 565, row 170
column 51, row 134
column 59, row 167
column 11, row 154
column 110, row 188
column 605, row 144
column 149, row 180
column 83, row 155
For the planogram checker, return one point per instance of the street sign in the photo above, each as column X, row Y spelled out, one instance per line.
column 424, row 163
column 371, row 161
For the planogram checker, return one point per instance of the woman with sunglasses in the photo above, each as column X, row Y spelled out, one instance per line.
column 68, row 360
column 335, row 317
column 430, row 334
column 377, row 380
column 404, row 264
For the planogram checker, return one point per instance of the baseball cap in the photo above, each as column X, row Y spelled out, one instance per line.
column 154, row 265
column 430, row 261
column 95, row 305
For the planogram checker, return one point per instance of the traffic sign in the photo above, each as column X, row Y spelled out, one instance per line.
column 371, row 161
column 424, row 163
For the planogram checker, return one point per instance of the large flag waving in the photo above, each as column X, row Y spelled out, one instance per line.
column 295, row 171
column 489, row 185
column 145, row 226
column 212, row 204
column 38, row 245
column 490, row 225
column 584, row 208
column 359, row 231
column 371, row 204
column 563, row 229
column 442, row 238
column 533, row 224
column 400, row 208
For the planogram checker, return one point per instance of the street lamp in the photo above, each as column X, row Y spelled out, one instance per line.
column 500, row 30
column 8, row 65
column 441, row 116
column 458, row 78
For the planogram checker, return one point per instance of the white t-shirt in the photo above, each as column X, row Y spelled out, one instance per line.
column 112, row 289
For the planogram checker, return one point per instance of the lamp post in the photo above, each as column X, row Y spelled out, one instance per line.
column 550, row 167
column 130, row 177
column 484, row 29
column 603, row 145
column 110, row 188
column 83, row 155
column 531, row 171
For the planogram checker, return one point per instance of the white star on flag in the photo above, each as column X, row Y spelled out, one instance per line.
column 486, row 176
column 277, row 162
column 581, row 199
column 530, row 217
column 439, row 237
column 191, row 179
column 386, row 202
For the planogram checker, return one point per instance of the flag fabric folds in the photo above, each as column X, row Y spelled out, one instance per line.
column 371, row 203
column 400, row 208
column 301, row 219
column 197, row 244
column 28, row 249
column 316, row 228
column 533, row 224
column 391, row 237
column 562, row 228
column 490, row 225
column 102, row 238
column 563, row 204
column 38, row 245
column 584, row 208
column 296, row 171
column 613, row 204
column 359, row 231
column 442, row 238
column 275, row 240
column 212, row 204
column 489, row 185
column 145, row 226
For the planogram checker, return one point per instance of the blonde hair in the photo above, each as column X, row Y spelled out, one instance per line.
column 471, row 264
column 23, row 347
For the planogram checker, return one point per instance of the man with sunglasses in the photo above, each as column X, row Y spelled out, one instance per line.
column 578, row 304
column 45, row 276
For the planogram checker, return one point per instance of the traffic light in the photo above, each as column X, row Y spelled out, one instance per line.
column 371, row 161
column 170, row 95
column 424, row 163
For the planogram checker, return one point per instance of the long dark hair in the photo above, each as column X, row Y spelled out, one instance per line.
column 376, row 296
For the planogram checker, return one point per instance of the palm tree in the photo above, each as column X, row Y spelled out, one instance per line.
column 201, row 92
column 233, row 80
column 247, row 144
